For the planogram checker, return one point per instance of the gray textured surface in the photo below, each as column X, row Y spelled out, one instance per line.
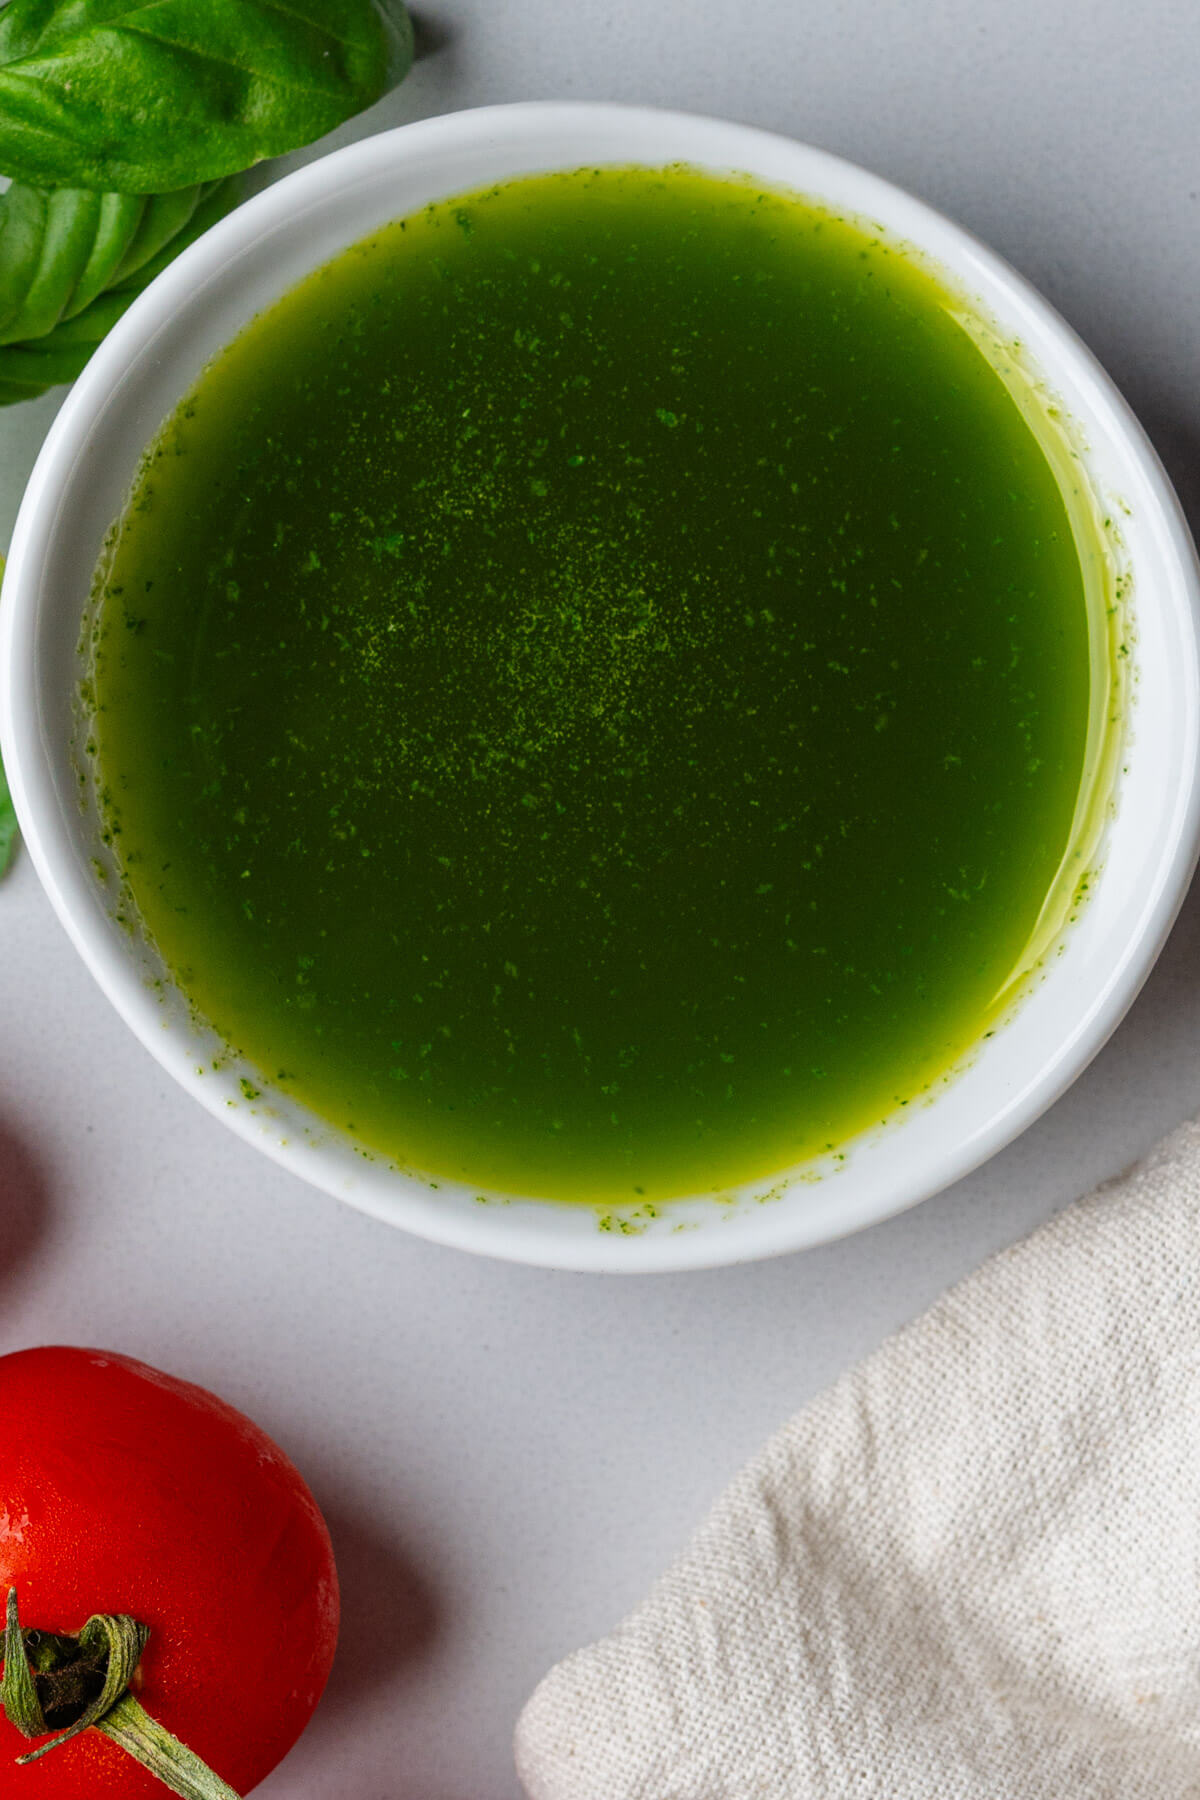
column 508, row 1456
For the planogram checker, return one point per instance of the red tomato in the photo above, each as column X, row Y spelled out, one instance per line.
column 123, row 1490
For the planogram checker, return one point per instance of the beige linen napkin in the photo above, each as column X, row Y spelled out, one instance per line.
column 971, row 1571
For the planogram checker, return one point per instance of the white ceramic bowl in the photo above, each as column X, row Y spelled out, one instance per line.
column 156, row 352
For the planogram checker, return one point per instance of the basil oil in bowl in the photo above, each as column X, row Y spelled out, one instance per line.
column 591, row 689
column 606, row 690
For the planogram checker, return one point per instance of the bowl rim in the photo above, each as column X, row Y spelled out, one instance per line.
column 29, row 756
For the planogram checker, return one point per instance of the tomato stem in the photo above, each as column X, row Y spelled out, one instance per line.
column 102, row 1659
column 157, row 1749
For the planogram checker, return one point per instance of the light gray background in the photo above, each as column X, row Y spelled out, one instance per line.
column 507, row 1457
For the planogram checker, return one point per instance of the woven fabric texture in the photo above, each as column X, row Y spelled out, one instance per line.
column 970, row 1571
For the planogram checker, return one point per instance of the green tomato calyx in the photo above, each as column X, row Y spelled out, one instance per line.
column 67, row 1685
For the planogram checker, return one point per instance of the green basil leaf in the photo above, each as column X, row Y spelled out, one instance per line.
column 163, row 216
column 60, row 248
column 41, row 363
column 8, row 837
column 144, row 96
column 8, row 824
column 154, row 250
column 117, row 223
column 13, row 392
column 69, row 217
column 33, row 365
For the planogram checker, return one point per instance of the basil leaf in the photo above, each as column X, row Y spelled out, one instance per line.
column 8, row 813
column 44, row 243
column 144, row 96
column 30, row 366
column 163, row 216
column 60, row 248
column 117, row 219
column 8, row 823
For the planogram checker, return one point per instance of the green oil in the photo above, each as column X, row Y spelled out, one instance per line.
column 593, row 686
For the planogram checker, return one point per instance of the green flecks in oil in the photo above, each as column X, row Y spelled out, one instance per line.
column 597, row 688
